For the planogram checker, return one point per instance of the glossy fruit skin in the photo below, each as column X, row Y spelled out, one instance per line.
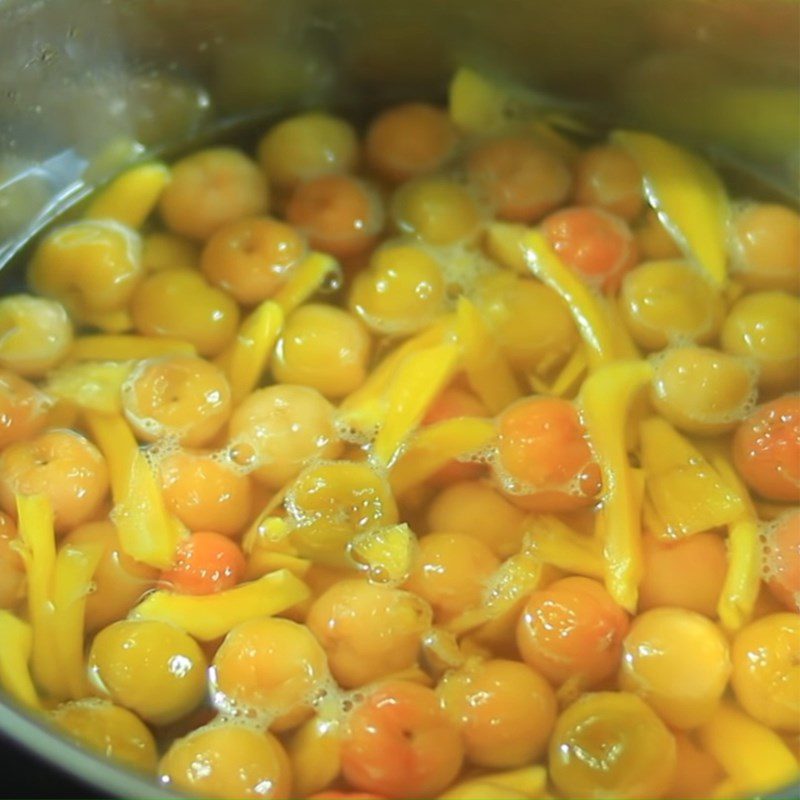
column 766, row 672
column 150, row 667
column 112, row 731
column 322, row 347
column 782, row 558
column 572, row 629
column 401, row 743
column 766, row 449
column 271, row 667
column 611, row 744
column 607, row 177
column 234, row 761
column 62, row 464
column 286, row 426
column 678, row 661
column 368, row 631
column 211, row 188
column 505, row 709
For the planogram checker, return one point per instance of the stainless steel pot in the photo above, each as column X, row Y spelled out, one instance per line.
column 87, row 85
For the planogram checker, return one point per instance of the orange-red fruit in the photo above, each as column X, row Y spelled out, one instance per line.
column 542, row 446
column 598, row 245
column 206, row 563
column 766, row 449
column 572, row 629
column 401, row 743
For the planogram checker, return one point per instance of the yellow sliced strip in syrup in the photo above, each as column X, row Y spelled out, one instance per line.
column 688, row 196
column 754, row 756
column 435, row 445
column 35, row 523
column 418, row 379
column 247, row 358
column 555, row 543
column 147, row 531
column 207, row 617
column 488, row 372
column 684, row 494
column 132, row 196
column 74, row 569
column 606, row 398
column 306, row 278
column 15, row 676
column 743, row 578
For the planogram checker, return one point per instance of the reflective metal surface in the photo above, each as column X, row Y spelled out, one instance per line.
column 86, row 86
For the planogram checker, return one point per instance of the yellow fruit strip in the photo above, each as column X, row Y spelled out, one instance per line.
column 112, row 322
column 526, row 783
column 743, row 578
column 478, row 104
column 109, row 347
column 569, row 377
column 754, row 756
column 314, row 751
column 131, row 197
column 249, row 355
column 308, row 277
column 435, row 445
column 688, row 196
column 487, row 370
column 364, row 409
column 35, row 522
column 386, row 554
column 555, row 543
column 503, row 242
column 606, row 397
column 15, row 677
column 417, row 381
column 262, row 560
column 684, row 493
column 147, row 531
column 74, row 569
column 588, row 309
column 207, row 617
column 513, row 581
column 95, row 386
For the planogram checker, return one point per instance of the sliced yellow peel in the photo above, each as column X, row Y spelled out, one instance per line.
column 15, row 676
column 35, row 524
column 207, row 617
column 478, row 104
column 74, row 569
column 386, row 554
column 433, row 446
column 121, row 347
column 147, row 531
column 248, row 357
column 754, row 756
column 555, row 543
column 589, row 310
column 419, row 378
column 568, row 378
column 90, row 385
column 606, row 398
column 364, row 409
column 487, row 370
column 743, row 578
column 688, row 196
column 131, row 197
column 684, row 494
column 307, row 278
